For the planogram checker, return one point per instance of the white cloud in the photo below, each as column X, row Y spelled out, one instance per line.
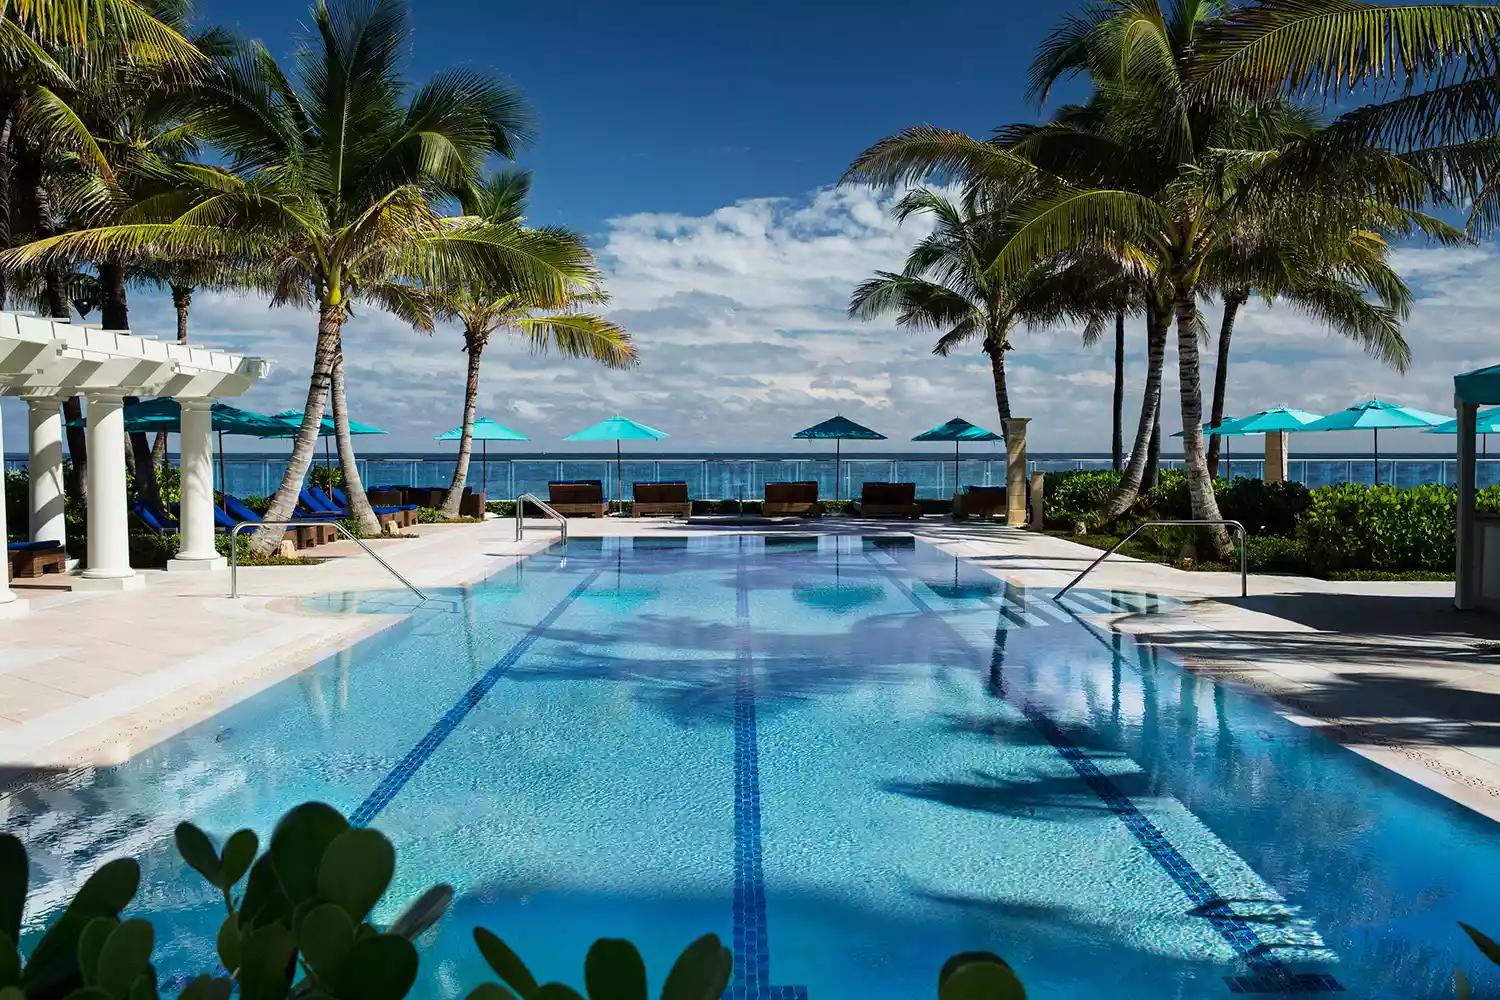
column 740, row 317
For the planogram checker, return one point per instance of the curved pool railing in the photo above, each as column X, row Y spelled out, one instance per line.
column 234, row 551
column 1244, row 576
column 523, row 500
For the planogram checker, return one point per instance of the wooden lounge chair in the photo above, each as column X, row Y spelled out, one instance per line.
column 791, row 500
column 888, row 500
column 983, row 502
column 662, row 498
column 578, row 498
column 471, row 504
column 29, row 560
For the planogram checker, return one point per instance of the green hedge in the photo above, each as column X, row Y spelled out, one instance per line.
column 1353, row 527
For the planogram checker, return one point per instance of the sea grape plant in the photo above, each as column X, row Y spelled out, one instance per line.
column 299, row 929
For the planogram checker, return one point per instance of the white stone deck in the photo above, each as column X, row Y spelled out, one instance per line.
column 1390, row 668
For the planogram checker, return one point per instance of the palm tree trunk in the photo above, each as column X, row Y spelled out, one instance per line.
column 330, row 318
column 1232, row 302
column 1153, row 453
column 1117, row 441
column 182, row 298
column 466, row 440
column 997, row 371
column 354, row 489
column 1200, row 486
column 1130, row 480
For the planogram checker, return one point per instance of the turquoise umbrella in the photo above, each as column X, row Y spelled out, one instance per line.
column 1486, row 422
column 293, row 420
column 484, row 431
column 618, row 429
column 1373, row 416
column 956, row 430
column 838, row 429
column 1274, row 420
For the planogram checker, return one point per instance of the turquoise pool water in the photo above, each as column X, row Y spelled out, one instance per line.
column 850, row 758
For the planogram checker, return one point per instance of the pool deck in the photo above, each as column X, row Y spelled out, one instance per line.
column 1389, row 669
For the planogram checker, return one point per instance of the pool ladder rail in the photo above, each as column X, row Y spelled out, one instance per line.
column 234, row 551
column 1237, row 526
column 523, row 500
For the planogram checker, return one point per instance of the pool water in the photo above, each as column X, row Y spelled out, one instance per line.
column 850, row 758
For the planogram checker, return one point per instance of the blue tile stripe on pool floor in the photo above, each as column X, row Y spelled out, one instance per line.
column 1269, row 973
column 410, row 764
column 751, row 978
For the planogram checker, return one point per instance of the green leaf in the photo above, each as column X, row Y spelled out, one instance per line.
column 264, row 902
column 125, row 956
column 109, row 890
column 14, row 873
column 382, row 967
column 355, row 871
column 555, row 991
column 484, row 991
column 52, row 964
column 424, row 912
column 12, row 993
column 144, row 987
column 198, row 851
column 88, row 993
column 506, row 963
column 228, row 943
column 1461, row 988
column 266, row 963
column 703, row 965
column 90, row 944
column 298, row 844
column 239, row 852
column 1489, row 947
column 613, row 970
column 206, row 987
column 326, row 939
column 978, row 976
column 10, row 962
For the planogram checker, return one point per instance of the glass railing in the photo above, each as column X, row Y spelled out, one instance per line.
column 733, row 478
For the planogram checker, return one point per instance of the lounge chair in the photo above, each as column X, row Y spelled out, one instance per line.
column 303, row 536
column 316, row 504
column 983, row 502
column 29, row 560
column 578, row 498
column 662, row 498
column 791, row 500
column 342, row 502
column 888, row 500
column 471, row 504
column 153, row 519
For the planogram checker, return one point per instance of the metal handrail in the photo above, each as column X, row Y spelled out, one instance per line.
column 1244, row 577
column 533, row 498
column 234, row 551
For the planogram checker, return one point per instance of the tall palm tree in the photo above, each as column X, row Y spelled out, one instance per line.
column 544, row 318
column 1169, row 182
column 337, row 174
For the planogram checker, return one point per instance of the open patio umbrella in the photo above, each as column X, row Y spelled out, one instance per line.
column 484, row 431
column 1272, row 421
column 618, row 429
column 293, row 420
column 1373, row 416
column 956, row 430
column 165, row 414
column 1486, row 422
column 838, row 429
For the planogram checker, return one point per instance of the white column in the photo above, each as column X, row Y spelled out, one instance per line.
column 44, row 463
column 196, row 513
column 9, row 603
column 1468, row 545
column 109, row 523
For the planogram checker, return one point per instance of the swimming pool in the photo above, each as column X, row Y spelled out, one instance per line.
column 850, row 758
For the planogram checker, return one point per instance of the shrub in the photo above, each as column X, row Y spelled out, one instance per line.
column 1276, row 554
column 1263, row 508
column 1379, row 527
column 1078, row 496
column 1168, row 500
column 502, row 508
column 17, row 506
column 327, row 476
column 149, row 550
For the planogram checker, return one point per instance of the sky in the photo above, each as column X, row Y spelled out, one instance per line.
column 699, row 147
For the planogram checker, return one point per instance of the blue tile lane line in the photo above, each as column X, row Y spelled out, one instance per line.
column 751, row 979
column 399, row 775
column 1269, row 973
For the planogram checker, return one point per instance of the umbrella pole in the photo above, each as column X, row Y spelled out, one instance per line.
column 484, row 465
column 838, row 457
column 1377, row 456
column 955, row 467
column 223, row 483
column 619, row 477
column 327, row 456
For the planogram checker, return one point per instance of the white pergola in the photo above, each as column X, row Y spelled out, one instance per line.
column 45, row 361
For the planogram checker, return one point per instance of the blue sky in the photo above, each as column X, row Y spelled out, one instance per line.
column 698, row 145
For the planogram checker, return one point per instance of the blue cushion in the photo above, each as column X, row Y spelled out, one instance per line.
column 238, row 510
column 316, row 499
column 338, row 496
column 41, row 546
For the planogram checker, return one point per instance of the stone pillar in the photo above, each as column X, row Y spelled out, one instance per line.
column 1466, row 570
column 196, row 512
column 1014, row 430
column 1038, row 502
column 109, row 520
column 1276, row 469
column 45, row 462
column 10, row 604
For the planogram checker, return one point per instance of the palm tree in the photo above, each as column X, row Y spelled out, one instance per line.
column 1168, row 181
column 545, row 318
column 335, row 181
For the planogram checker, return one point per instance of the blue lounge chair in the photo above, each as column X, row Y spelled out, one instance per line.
column 154, row 520
column 342, row 502
column 235, row 512
column 317, row 505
